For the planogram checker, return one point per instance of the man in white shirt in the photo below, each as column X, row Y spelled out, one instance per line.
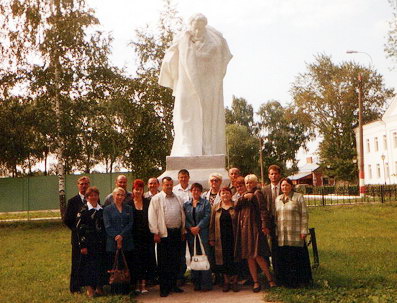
column 167, row 223
column 153, row 185
column 183, row 188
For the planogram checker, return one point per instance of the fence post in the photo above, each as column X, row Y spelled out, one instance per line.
column 313, row 242
column 382, row 196
column 322, row 196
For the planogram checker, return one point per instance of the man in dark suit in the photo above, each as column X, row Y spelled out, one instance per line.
column 271, row 192
column 72, row 209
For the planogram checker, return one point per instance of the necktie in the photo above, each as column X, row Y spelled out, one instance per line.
column 275, row 193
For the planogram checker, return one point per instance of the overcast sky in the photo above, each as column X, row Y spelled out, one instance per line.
column 271, row 40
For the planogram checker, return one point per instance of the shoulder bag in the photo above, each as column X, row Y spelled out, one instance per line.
column 199, row 262
column 118, row 276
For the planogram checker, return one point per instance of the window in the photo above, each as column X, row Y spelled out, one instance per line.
column 378, row 170
column 368, row 146
column 395, row 139
column 384, row 142
column 376, row 144
column 370, row 171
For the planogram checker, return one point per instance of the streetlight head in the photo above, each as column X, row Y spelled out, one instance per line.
column 351, row 52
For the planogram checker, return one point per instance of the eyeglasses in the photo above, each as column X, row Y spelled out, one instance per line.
column 215, row 180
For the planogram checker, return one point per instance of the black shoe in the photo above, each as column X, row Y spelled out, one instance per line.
column 256, row 289
column 164, row 293
column 177, row 290
column 235, row 287
column 181, row 282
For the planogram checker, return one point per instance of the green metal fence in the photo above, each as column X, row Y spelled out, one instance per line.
column 41, row 193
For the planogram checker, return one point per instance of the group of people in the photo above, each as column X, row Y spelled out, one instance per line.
column 239, row 227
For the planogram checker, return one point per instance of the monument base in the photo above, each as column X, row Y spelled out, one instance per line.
column 199, row 167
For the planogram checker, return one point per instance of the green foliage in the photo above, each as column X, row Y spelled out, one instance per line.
column 154, row 133
column 326, row 97
column 354, row 249
column 243, row 149
column 283, row 132
column 240, row 113
column 391, row 45
column 62, row 61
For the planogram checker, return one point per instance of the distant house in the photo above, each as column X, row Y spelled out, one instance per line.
column 311, row 174
column 380, row 148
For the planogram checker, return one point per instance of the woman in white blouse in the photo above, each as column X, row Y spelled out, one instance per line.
column 292, row 228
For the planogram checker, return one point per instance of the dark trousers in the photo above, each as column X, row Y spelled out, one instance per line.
column 182, row 264
column 169, row 257
column 74, row 274
column 274, row 249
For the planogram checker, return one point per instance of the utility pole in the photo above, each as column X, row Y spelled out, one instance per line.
column 360, row 126
column 261, row 159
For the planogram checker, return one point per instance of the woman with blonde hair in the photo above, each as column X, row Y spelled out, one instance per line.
column 119, row 218
column 252, row 220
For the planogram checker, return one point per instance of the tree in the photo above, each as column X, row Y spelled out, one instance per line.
column 284, row 133
column 148, row 153
column 326, row 97
column 240, row 113
column 50, row 42
column 391, row 44
column 243, row 149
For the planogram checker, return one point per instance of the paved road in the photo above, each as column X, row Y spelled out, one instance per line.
column 214, row 296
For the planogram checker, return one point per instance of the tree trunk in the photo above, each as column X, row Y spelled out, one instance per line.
column 58, row 112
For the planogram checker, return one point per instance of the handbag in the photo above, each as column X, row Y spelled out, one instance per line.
column 199, row 262
column 118, row 276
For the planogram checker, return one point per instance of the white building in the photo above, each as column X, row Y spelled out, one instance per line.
column 380, row 148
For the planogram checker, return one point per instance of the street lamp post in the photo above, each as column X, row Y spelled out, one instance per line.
column 361, row 135
column 360, row 127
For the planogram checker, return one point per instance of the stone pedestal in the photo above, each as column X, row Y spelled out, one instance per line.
column 199, row 167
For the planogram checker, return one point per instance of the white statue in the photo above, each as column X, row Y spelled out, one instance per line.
column 194, row 68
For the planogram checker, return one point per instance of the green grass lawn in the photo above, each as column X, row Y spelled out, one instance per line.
column 357, row 247
column 35, row 264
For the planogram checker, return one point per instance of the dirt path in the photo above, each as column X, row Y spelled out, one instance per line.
column 191, row 296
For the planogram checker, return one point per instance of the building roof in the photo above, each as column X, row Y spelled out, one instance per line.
column 304, row 171
column 299, row 176
column 391, row 110
column 308, row 167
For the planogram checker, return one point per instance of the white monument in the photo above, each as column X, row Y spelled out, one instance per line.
column 194, row 67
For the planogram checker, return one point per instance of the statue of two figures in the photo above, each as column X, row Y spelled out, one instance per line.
column 194, row 67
